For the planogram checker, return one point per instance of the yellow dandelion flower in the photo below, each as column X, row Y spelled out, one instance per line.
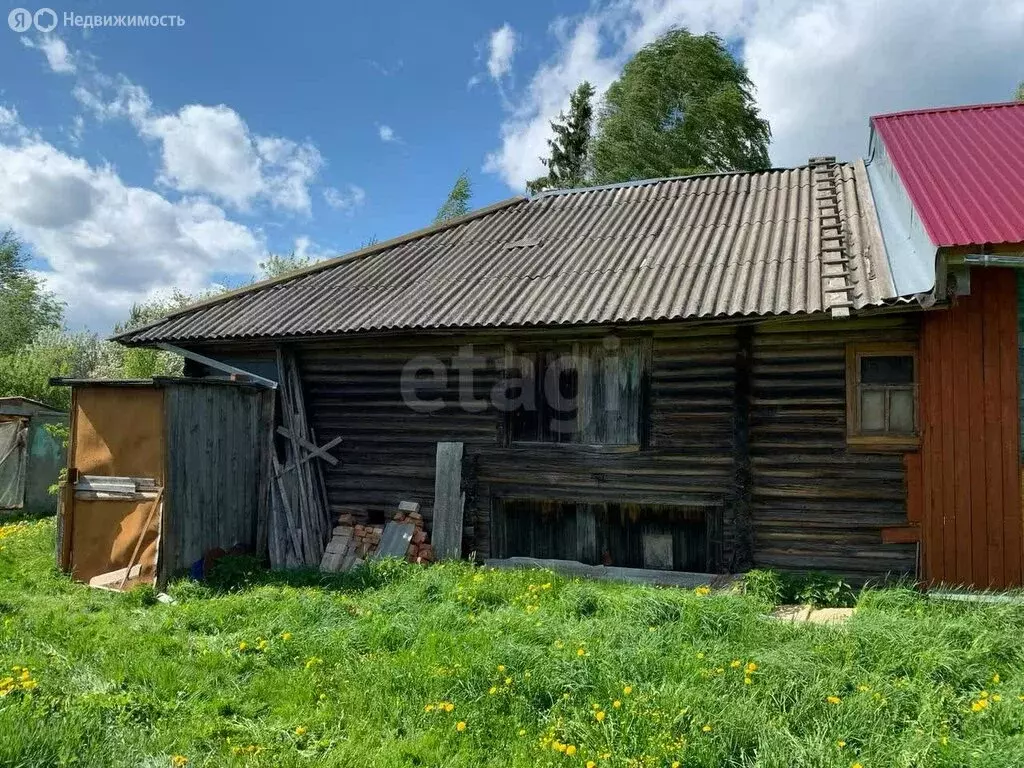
column 627, row 690
column 570, row 750
column 580, row 652
column 428, row 708
column 995, row 678
column 178, row 761
column 983, row 695
column 243, row 645
column 546, row 586
column 748, row 681
column 286, row 636
column 522, row 731
column 508, row 681
column 750, row 668
column 300, row 730
column 591, row 764
column 979, row 705
column 856, row 765
column 501, row 667
column 840, row 743
column 616, row 704
column 448, row 706
column 707, row 729
column 676, row 764
column 735, row 663
column 702, row 590
column 558, row 746
column 460, row 726
column 700, row 654
column 996, row 697
column 599, row 715
column 834, row 700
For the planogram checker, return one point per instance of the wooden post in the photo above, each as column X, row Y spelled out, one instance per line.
column 742, row 533
column 446, row 536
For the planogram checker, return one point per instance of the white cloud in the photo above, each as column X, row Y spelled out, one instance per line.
column 109, row 244
column 56, row 51
column 386, row 133
column 348, row 200
column 207, row 149
column 210, row 149
column 10, row 123
column 502, row 49
column 821, row 69
column 305, row 248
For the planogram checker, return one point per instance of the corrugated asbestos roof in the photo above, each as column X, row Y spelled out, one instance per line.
column 699, row 247
column 962, row 167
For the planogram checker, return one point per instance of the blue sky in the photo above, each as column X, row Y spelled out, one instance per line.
column 135, row 160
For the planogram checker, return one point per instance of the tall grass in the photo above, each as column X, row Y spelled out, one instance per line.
column 380, row 668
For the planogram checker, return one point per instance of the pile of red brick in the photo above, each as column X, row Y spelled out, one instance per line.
column 365, row 539
column 420, row 550
column 351, row 544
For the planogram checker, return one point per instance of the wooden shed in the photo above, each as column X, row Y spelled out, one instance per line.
column 31, row 455
column 161, row 472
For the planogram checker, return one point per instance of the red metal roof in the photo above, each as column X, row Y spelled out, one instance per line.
column 963, row 168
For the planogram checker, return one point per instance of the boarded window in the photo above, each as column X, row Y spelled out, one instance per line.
column 587, row 393
column 882, row 395
column 658, row 537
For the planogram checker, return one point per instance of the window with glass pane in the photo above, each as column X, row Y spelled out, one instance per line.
column 885, row 389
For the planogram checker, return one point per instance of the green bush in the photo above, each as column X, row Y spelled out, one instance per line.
column 818, row 589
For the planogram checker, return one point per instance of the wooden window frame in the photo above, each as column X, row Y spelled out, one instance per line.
column 576, row 346
column 855, row 440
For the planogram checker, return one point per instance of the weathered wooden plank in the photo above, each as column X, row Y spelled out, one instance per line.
column 446, row 535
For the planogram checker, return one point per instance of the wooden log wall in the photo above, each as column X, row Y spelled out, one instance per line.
column 815, row 504
column 771, row 396
column 217, row 445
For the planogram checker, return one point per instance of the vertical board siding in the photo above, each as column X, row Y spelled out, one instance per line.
column 970, row 453
column 217, row 438
column 817, row 505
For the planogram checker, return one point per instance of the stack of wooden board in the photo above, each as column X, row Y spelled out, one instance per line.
column 300, row 519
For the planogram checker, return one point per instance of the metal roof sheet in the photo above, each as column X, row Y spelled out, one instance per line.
column 962, row 167
column 700, row 247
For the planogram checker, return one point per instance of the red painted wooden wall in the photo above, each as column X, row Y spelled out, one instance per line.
column 964, row 487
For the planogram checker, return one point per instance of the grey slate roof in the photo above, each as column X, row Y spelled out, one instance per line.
column 721, row 245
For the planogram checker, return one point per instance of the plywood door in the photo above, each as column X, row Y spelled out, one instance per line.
column 965, row 487
column 116, row 431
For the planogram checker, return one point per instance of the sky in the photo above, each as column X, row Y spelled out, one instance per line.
column 135, row 160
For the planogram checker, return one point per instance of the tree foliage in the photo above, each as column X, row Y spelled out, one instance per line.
column 278, row 265
column 682, row 105
column 26, row 308
column 568, row 161
column 457, row 203
column 1019, row 96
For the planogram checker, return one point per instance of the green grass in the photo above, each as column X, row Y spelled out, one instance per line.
column 123, row 681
